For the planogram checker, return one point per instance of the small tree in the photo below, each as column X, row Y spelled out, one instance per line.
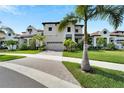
column 70, row 45
column 40, row 38
column 10, row 43
column 101, row 42
column 122, row 43
column 32, row 43
column 23, row 46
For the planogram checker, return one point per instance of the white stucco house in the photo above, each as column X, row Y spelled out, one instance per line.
column 54, row 38
column 117, row 37
column 6, row 33
column 26, row 36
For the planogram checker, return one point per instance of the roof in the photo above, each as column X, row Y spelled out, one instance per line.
column 6, row 29
column 23, row 36
column 95, row 33
column 50, row 23
column 114, row 33
column 79, row 25
column 58, row 23
column 117, row 33
column 39, row 30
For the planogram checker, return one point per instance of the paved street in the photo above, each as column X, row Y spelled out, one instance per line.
column 12, row 79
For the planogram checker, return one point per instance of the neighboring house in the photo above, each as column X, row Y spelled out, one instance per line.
column 6, row 33
column 26, row 36
column 54, row 39
column 116, row 37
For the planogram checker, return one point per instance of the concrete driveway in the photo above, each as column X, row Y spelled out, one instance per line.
column 53, row 53
column 34, row 72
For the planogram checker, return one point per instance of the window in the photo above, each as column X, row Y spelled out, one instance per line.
column 111, row 40
column 50, row 28
column 25, row 41
column 29, row 30
column 76, row 30
column 105, row 32
column 69, row 29
column 9, row 34
column 76, row 40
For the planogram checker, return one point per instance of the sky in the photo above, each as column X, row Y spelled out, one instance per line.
column 20, row 17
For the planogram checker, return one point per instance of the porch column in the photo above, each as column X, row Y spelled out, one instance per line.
column 94, row 41
column 108, row 40
column 28, row 42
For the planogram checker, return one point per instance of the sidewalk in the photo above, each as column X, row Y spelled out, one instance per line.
column 103, row 64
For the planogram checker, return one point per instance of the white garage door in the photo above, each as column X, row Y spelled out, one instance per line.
column 55, row 46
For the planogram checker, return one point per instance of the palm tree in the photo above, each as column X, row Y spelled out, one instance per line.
column 113, row 14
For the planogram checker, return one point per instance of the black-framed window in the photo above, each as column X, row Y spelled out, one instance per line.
column 68, row 29
column 105, row 32
column 76, row 30
column 76, row 40
column 9, row 34
column 50, row 28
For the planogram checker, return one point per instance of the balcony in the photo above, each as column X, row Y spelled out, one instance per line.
column 79, row 35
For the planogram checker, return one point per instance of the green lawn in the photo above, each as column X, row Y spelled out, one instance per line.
column 9, row 57
column 22, row 51
column 100, row 78
column 109, row 56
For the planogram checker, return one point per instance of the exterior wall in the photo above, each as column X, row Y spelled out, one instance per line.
column 54, row 39
column 109, row 38
column 7, row 37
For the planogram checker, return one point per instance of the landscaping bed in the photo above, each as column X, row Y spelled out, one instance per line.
column 9, row 57
column 101, row 55
column 100, row 78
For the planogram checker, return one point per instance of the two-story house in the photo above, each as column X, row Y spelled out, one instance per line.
column 54, row 38
column 26, row 36
column 117, row 37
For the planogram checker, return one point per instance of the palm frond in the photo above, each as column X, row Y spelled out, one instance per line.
column 114, row 15
column 69, row 18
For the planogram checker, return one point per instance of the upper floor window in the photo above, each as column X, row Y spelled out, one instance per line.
column 50, row 29
column 68, row 29
column 30, row 31
column 105, row 32
column 9, row 34
column 76, row 30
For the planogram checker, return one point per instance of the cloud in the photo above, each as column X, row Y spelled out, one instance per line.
column 10, row 9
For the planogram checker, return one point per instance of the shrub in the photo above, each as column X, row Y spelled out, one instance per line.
column 42, row 48
column 10, row 44
column 32, row 45
column 101, row 42
column 23, row 47
column 70, row 45
column 80, row 45
column 111, row 46
column 122, row 43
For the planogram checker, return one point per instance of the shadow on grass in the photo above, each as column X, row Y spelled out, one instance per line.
column 109, row 74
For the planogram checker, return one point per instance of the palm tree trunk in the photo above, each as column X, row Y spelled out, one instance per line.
column 85, row 65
